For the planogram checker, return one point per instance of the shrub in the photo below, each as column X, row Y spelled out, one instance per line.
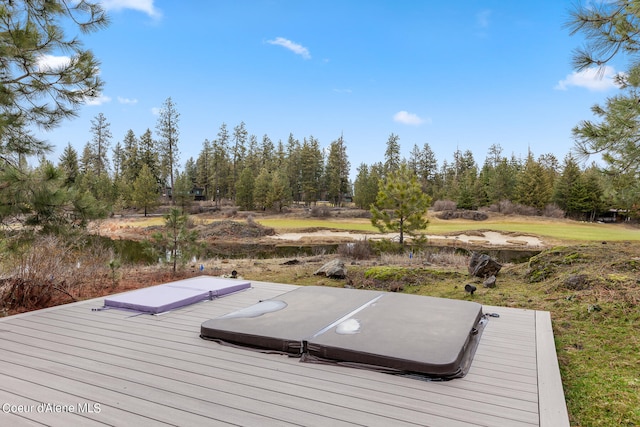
column 444, row 205
column 320, row 211
column 360, row 249
column 507, row 207
column 386, row 246
column 51, row 270
column 553, row 211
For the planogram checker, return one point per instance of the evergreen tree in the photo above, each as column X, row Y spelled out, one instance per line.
column 149, row 156
column 415, row 160
column 593, row 203
column 191, row 171
column 34, row 93
column 365, row 187
column 294, row 167
column 131, row 158
column 279, row 194
column 268, row 153
column 118, row 158
column 69, row 165
column 245, row 188
column 238, row 154
column 261, row 189
column 253, row 159
column 533, row 188
column 177, row 241
column 337, row 172
column 498, row 177
column 99, row 145
column 392, row 154
column 220, row 165
column 86, row 160
column 145, row 190
column 169, row 133
column 182, row 193
column 203, row 170
column 612, row 28
column 41, row 201
column 565, row 183
column 400, row 205
column 311, row 169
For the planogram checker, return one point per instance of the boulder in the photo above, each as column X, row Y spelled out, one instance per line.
column 481, row 265
column 490, row 282
column 333, row 269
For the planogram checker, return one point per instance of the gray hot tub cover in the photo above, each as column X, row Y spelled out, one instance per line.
column 392, row 332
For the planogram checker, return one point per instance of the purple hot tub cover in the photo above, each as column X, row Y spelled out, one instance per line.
column 173, row 295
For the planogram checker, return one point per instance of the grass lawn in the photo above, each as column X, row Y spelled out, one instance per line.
column 556, row 229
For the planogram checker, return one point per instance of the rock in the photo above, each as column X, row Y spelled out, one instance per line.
column 333, row 269
column 490, row 282
column 481, row 265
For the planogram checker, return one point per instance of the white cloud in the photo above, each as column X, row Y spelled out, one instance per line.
column 156, row 111
column 407, row 118
column 128, row 101
column 594, row 79
column 51, row 62
column 296, row 48
column 145, row 6
column 98, row 100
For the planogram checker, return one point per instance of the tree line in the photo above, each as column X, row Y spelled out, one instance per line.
column 259, row 174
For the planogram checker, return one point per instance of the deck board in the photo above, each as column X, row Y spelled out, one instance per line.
column 145, row 369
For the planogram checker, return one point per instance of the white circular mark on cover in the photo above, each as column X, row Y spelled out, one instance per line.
column 263, row 307
column 348, row 327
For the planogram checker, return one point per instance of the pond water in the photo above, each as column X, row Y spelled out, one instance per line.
column 133, row 252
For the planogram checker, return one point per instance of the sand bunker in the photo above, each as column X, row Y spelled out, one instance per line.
column 490, row 238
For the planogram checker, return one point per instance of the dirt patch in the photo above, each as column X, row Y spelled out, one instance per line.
column 233, row 229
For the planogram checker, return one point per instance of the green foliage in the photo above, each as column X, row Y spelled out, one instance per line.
column 401, row 205
column 182, row 191
column 177, row 244
column 386, row 246
column 244, row 189
column 534, row 185
column 279, row 194
column 311, row 169
column 33, row 94
column 41, row 202
column 392, row 155
column 148, row 153
column 69, row 164
column 365, row 187
column 612, row 28
column 145, row 190
column 337, row 172
column 169, row 133
column 261, row 189
column 96, row 156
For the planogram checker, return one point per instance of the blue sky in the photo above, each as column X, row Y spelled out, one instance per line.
column 457, row 75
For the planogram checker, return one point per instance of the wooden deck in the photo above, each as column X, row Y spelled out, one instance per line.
column 70, row 365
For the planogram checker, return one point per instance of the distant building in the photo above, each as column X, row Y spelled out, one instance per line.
column 198, row 193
